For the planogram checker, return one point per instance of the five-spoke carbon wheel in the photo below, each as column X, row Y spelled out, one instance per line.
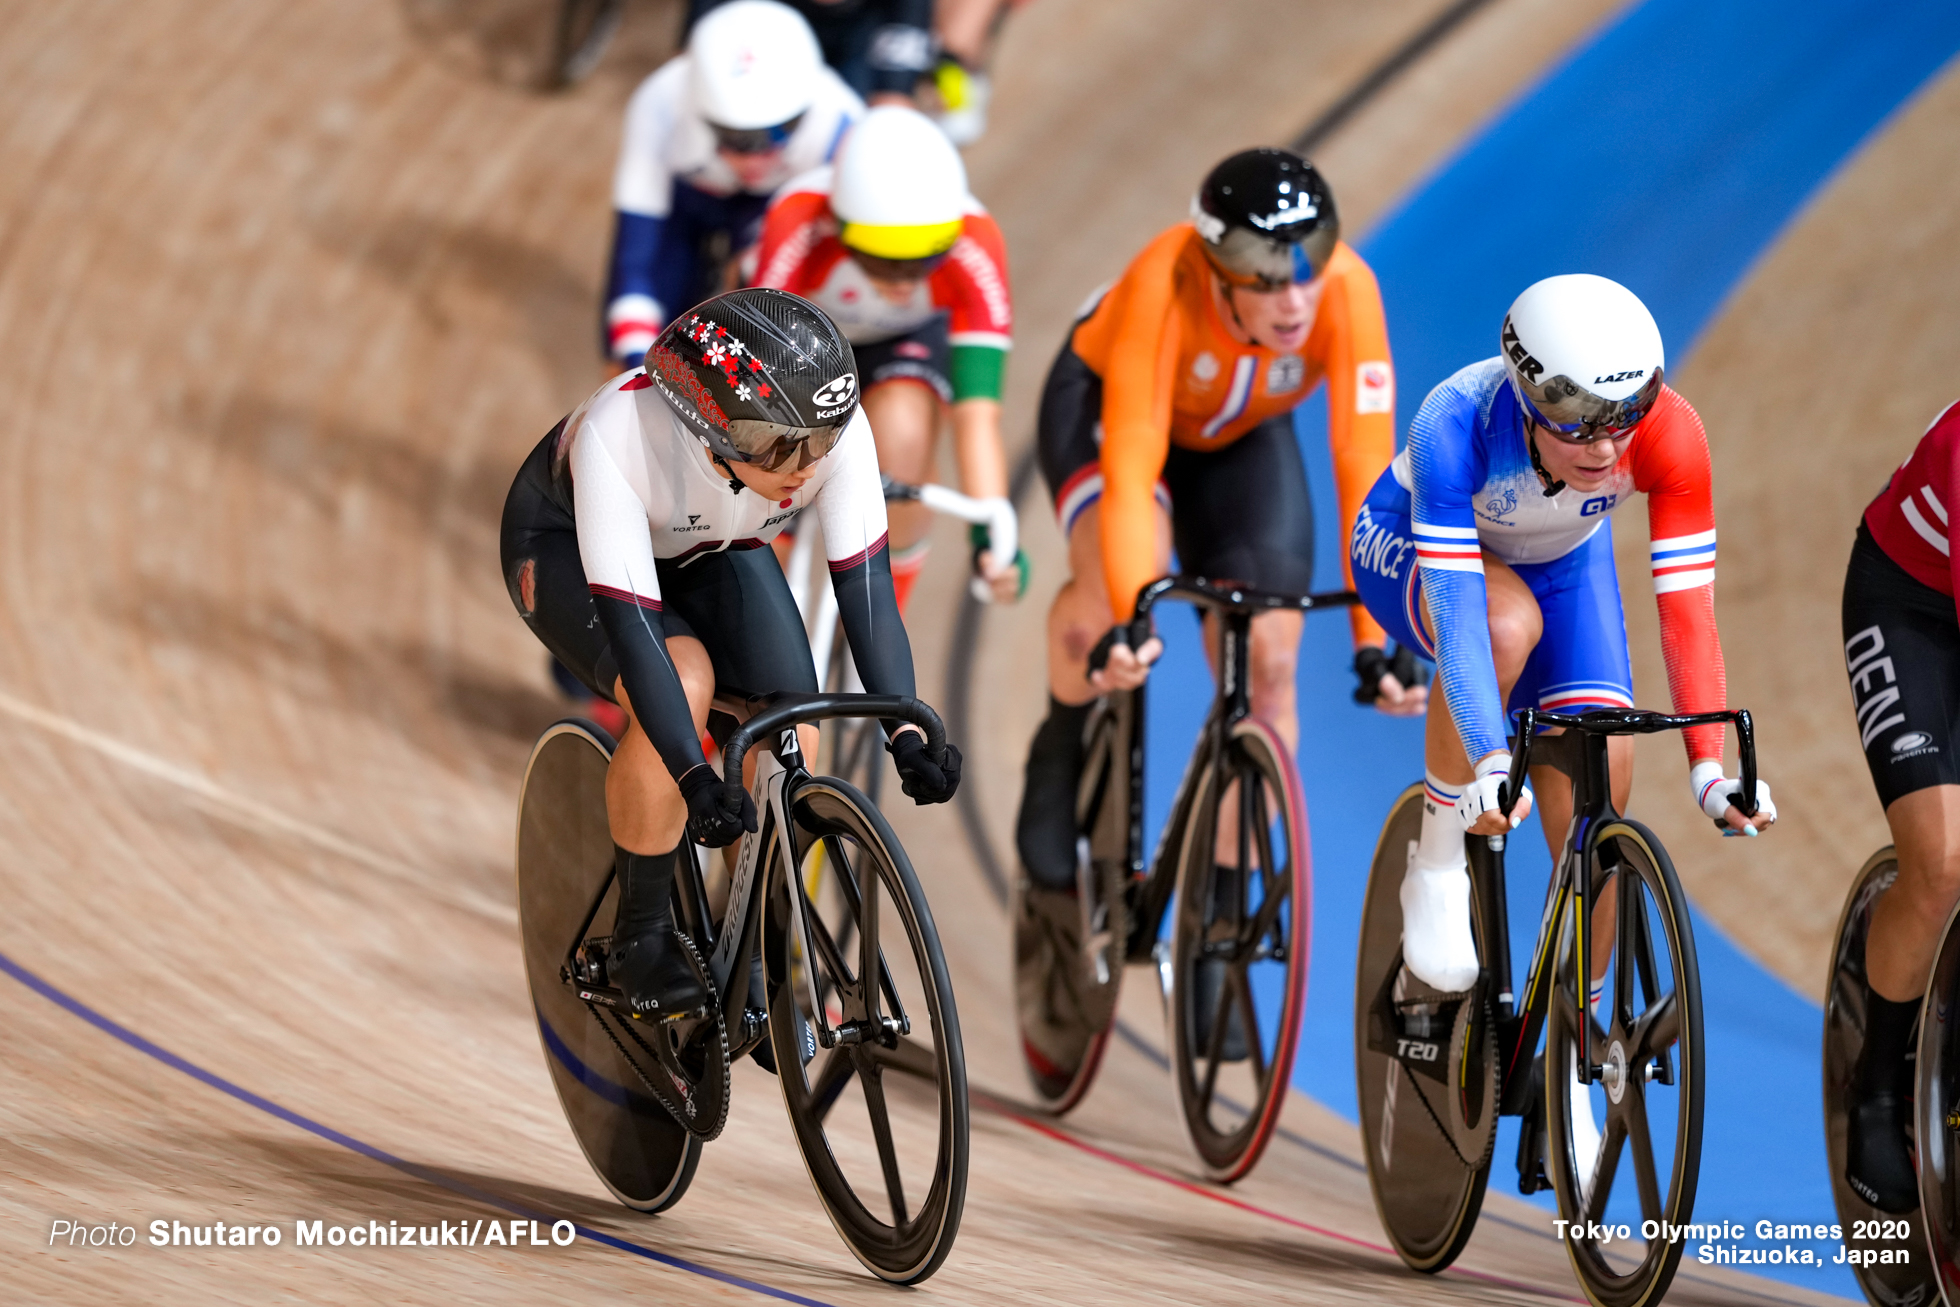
column 866, row 1037
column 1626, row 1148
column 638, row 1149
column 1425, row 1074
column 1239, row 949
column 1895, row 1284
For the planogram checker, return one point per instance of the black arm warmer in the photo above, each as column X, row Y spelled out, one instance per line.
column 639, row 645
column 869, row 610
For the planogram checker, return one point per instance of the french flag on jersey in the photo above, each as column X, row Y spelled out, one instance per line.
column 1683, row 562
column 1448, row 548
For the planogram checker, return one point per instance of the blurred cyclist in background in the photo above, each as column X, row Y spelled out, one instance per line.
column 914, row 272
column 881, row 48
column 709, row 138
column 967, row 31
column 1168, row 416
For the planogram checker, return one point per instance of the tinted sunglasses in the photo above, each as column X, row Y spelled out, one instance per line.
column 898, row 269
column 754, row 140
column 771, row 446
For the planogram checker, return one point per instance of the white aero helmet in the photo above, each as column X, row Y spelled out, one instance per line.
column 1584, row 354
column 755, row 65
column 899, row 188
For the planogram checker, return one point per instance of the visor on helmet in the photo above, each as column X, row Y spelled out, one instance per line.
column 902, row 243
column 755, row 140
column 770, row 445
column 898, row 269
column 1245, row 258
column 1576, row 415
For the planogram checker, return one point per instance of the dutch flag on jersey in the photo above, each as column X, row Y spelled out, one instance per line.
column 1683, row 562
column 1447, row 548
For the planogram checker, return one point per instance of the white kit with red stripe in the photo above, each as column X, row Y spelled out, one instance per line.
column 643, row 488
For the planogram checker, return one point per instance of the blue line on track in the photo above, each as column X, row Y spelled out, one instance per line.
column 1667, row 151
column 78, row 1008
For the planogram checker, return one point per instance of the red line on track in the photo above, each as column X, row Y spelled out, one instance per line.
column 1051, row 1131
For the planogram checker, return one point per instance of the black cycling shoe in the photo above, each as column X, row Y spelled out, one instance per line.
column 1044, row 828
column 1878, row 1156
column 655, row 972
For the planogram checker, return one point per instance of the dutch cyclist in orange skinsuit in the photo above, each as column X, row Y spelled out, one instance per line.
column 1167, row 418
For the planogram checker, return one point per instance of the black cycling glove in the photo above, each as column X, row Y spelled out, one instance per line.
column 923, row 778
column 1371, row 664
column 714, row 817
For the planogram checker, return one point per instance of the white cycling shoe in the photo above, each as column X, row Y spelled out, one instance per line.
column 1437, row 945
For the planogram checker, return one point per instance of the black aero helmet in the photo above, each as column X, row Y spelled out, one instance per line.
column 1267, row 219
column 759, row 375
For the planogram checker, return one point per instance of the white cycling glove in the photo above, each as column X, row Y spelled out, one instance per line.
column 1480, row 795
column 1714, row 792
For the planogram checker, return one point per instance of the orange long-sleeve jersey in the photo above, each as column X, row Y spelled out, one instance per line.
column 1173, row 372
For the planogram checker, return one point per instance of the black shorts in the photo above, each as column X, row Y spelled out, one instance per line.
column 1238, row 513
column 1902, row 651
column 924, row 355
column 736, row 602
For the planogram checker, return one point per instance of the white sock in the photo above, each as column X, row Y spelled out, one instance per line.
column 1437, row 944
column 1441, row 843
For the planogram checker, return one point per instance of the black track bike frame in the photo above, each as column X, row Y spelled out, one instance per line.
column 770, row 720
column 1520, row 1019
column 1235, row 607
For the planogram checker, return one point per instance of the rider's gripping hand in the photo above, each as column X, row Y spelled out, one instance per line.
column 1398, row 686
column 714, row 817
column 1478, row 807
column 1005, row 584
column 1114, row 665
column 1716, row 794
column 924, row 778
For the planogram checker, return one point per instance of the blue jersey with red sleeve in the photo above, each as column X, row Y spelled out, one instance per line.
column 1472, row 490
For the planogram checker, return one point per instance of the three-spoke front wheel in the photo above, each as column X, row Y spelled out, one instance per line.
column 866, row 1037
column 1626, row 1148
column 1239, row 948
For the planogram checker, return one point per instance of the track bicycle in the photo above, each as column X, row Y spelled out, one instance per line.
column 580, row 33
column 887, row 1154
column 1930, row 1235
column 1234, row 856
column 1435, row 1071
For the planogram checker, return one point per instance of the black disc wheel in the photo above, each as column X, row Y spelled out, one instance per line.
column 1936, row 1118
column 867, row 1039
column 1626, row 1148
column 1239, row 946
column 1909, row 1283
column 564, row 860
column 579, row 39
column 1425, row 1070
column 1069, row 945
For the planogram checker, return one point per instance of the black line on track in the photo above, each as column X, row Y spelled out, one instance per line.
column 1399, row 61
column 429, row 1175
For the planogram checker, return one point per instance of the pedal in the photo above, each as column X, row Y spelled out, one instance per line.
column 589, row 963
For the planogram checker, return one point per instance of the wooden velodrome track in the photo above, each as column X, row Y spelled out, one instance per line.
column 286, row 291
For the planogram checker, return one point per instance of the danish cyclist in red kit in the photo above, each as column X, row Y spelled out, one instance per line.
column 1902, row 651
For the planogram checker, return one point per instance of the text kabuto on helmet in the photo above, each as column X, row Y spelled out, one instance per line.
column 1267, row 219
column 755, row 65
column 1584, row 355
column 761, row 376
